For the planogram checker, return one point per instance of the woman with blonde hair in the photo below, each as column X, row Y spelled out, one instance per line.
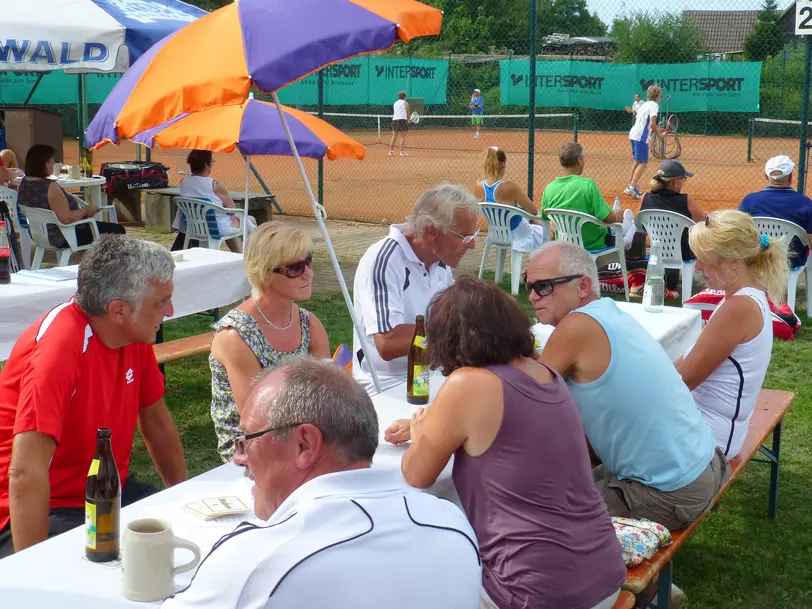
column 266, row 328
column 527, row 236
column 726, row 366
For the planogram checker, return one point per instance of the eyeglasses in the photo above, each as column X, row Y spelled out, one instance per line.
column 544, row 287
column 296, row 269
column 241, row 440
column 466, row 239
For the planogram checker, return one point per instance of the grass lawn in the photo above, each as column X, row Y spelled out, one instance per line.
column 737, row 559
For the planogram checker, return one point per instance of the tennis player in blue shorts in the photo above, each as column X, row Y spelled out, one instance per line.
column 645, row 125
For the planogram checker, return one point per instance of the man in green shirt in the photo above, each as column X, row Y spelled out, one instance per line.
column 577, row 193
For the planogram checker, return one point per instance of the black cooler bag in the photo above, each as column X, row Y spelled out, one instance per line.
column 131, row 175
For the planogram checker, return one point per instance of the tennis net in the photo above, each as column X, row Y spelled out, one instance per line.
column 373, row 129
column 765, row 137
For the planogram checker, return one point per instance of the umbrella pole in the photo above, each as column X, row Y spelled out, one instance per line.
column 336, row 266
column 247, row 190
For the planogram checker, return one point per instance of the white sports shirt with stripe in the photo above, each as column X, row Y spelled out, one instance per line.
column 728, row 396
column 392, row 286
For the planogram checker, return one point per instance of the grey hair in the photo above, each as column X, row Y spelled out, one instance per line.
column 573, row 260
column 436, row 207
column 323, row 394
column 117, row 267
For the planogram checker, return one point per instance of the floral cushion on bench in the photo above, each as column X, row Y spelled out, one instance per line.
column 639, row 539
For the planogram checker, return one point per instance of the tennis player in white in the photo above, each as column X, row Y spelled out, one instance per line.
column 645, row 125
column 400, row 124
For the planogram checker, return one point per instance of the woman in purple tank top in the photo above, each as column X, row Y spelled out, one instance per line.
column 521, row 465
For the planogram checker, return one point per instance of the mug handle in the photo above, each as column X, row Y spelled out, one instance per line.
column 177, row 542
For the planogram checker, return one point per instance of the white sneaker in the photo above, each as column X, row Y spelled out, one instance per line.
column 391, row 153
column 403, row 153
column 629, row 190
column 476, row 136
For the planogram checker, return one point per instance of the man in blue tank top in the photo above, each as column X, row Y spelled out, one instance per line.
column 659, row 459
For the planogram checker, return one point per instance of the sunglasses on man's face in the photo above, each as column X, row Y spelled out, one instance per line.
column 544, row 287
column 296, row 269
column 241, row 440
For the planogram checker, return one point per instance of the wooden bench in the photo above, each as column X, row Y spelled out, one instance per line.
column 626, row 600
column 771, row 406
column 183, row 347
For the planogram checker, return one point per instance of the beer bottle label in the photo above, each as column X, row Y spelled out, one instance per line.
column 420, row 382
column 420, row 342
column 94, row 468
column 90, row 524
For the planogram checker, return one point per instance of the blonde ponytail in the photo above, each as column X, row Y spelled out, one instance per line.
column 490, row 163
column 771, row 268
column 733, row 235
column 658, row 182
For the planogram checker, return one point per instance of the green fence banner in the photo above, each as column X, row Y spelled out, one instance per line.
column 54, row 88
column 372, row 80
column 692, row 87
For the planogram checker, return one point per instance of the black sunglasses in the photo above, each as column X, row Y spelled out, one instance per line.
column 296, row 269
column 241, row 440
column 544, row 287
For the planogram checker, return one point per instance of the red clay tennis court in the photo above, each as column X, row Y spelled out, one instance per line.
column 382, row 188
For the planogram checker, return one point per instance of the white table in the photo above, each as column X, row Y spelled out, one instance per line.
column 92, row 191
column 674, row 328
column 74, row 583
column 205, row 279
column 55, row 574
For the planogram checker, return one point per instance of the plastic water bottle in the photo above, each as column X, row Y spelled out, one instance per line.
column 654, row 291
column 616, row 206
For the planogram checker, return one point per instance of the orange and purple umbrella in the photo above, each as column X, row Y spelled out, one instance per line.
column 253, row 127
column 215, row 60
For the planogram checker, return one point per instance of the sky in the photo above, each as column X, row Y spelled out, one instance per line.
column 607, row 10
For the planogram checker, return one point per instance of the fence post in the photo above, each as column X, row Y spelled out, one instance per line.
column 320, row 189
column 79, row 114
column 531, row 102
column 783, row 78
column 749, row 139
column 802, row 152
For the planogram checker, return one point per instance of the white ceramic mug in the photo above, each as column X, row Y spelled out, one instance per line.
column 147, row 550
column 74, row 171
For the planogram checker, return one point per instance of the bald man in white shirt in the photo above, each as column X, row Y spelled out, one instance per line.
column 337, row 534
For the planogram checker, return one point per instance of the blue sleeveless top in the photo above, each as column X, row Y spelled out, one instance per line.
column 640, row 417
column 490, row 197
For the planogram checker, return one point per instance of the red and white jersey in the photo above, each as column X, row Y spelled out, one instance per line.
column 62, row 380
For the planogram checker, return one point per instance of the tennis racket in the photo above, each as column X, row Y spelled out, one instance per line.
column 414, row 118
column 628, row 109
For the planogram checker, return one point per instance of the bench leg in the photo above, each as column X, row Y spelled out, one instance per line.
column 663, row 590
column 664, row 587
column 774, row 456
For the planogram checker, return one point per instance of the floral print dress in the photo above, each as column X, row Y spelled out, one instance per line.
column 224, row 411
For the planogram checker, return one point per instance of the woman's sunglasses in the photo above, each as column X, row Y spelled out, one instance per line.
column 544, row 287
column 296, row 269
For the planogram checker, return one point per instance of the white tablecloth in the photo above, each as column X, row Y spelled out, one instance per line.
column 75, row 583
column 205, row 279
column 674, row 328
column 93, row 185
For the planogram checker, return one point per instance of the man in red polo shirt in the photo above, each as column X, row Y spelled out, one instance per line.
column 86, row 364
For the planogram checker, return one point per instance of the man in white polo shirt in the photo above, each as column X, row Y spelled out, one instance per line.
column 339, row 534
column 398, row 276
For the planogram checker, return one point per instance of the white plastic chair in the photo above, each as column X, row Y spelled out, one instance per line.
column 776, row 228
column 201, row 222
column 501, row 221
column 38, row 221
column 569, row 227
column 10, row 197
column 666, row 227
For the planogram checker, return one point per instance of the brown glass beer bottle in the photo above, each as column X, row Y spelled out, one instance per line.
column 102, row 502
column 417, row 386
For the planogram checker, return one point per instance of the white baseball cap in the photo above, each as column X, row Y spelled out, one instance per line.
column 779, row 167
column 476, row 90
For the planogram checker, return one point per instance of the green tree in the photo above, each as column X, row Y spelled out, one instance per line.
column 766, row 39
column 656, row 38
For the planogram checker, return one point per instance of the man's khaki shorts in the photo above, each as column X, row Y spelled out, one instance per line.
column 672, row 509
